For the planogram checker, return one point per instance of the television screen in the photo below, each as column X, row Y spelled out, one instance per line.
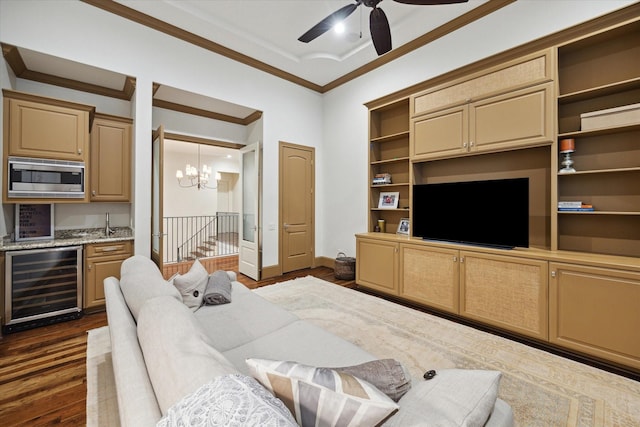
column 492, row 212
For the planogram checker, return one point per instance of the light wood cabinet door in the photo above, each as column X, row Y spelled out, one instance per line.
column 110, row 167
column 377, row 265
column 102, row 260
column 516, row 119
column 47, row 131
column 430, row 276
column 507, row 292
column 441, row 134
column 596, row 311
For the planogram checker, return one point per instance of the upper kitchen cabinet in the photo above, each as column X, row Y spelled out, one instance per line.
column 46, row 128
column 110, row 166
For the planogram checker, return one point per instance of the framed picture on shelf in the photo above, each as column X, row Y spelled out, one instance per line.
column 403, row 226
column 388, row 200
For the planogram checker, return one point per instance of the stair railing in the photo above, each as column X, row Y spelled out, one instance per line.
column 190, row 237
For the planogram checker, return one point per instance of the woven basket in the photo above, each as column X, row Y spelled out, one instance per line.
column 345, row 268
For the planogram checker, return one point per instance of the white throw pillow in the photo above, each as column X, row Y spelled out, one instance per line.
column 323, row 396
column 454, row 397
column 230, row 400
column 192, row 285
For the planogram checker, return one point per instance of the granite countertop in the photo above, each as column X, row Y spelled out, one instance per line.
column 71, row 238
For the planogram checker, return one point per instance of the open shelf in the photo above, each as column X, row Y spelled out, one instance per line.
column 389, row 153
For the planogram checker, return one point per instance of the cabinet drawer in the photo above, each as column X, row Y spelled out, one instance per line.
column 107, row 249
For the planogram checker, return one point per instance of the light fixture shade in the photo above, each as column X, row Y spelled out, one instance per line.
column 179, row 174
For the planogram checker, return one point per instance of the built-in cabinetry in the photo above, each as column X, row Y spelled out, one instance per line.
column 102, row 260
column 380, row 272
column 507, row 106
column 45, row 128
column 514, row 119
column 596, row 73
column 577, row 286
column 504, row 291
column 110, row 166
column 594, row 310
column 389, row 153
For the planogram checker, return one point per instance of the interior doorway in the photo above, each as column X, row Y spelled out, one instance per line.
column 297, row 206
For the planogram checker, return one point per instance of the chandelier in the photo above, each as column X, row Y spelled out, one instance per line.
column 195, row 177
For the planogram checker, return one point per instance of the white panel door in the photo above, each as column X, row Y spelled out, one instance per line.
column 249, row 259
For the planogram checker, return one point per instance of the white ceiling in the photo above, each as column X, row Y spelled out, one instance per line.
column 268, row 30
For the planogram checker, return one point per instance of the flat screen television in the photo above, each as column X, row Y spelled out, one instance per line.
column 491, row 212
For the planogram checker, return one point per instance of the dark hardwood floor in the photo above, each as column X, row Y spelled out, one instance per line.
column 43, row 370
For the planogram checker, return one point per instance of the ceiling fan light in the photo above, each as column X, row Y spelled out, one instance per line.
column 339, row 27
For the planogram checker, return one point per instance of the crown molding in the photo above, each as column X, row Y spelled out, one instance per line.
column 159, row 25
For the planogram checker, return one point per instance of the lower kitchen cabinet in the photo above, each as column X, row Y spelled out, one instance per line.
column 596, row 311
column 377, row 265
column 102, row 260
column 508, row 292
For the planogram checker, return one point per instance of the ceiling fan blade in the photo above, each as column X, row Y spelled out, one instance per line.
column 327, row 23
column 380, row 31
column 431, row 2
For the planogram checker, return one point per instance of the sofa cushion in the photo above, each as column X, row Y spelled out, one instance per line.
column 140, row 280
column 459, row 397
column 192, row 285
column 323, row 396
column 178, row 354
column 230, row 400
column 303, row 342
column 247, row 317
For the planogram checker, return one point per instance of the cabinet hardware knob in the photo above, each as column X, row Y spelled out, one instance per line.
column 461, row 259
column 455, row 259
column 553, row 273
column 79, row 150
column 93, row 192
column 464, row 144
column 471, row 144
column 90, row 266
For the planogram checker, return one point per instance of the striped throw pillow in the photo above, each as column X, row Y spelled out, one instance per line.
column 323, row 396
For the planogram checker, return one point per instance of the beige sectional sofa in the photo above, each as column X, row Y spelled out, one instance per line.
column 166, row 355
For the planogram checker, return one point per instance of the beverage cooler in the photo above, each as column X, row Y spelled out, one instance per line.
column 43, row 286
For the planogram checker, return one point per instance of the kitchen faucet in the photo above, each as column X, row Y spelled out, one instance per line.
column 107, row 230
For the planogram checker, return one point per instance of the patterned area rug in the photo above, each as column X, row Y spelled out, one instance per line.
column 543, row 389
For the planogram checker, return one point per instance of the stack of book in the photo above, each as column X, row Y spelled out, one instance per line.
column 382, row 179
column 574, row 206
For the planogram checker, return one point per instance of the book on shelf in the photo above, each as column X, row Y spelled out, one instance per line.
column 570, row 204
column 382, row 178
column 581, row 209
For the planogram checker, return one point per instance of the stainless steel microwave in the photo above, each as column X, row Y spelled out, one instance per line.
column 44, row 178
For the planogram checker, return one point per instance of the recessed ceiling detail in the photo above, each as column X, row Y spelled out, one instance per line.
column 26, row 65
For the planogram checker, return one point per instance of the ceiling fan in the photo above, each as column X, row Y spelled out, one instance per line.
column 378, row 23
